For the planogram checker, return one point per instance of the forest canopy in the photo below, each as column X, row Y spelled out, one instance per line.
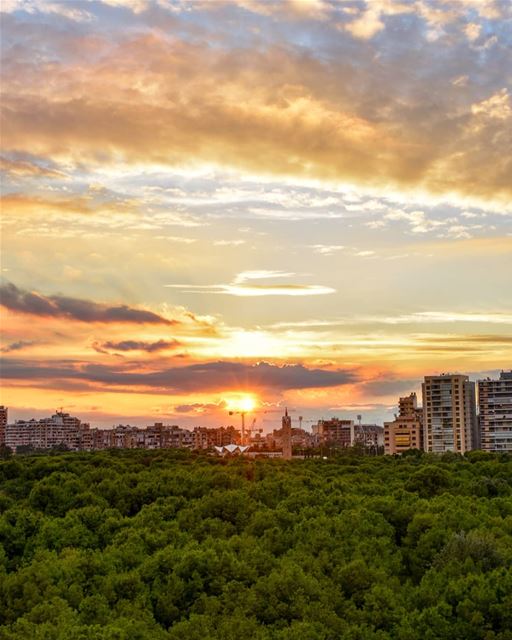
column 170, row 545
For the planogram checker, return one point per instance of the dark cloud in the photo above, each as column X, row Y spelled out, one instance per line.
column 209, row 376
column 387, row 387
column 37, row 304
column 17, row 346
column 199, row 407
column 139, row 345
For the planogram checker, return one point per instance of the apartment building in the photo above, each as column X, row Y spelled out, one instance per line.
column 406, row 430
column 495, row 412
column 59, row 430
column 3, row 424
column 449, row 414
column 335, row 431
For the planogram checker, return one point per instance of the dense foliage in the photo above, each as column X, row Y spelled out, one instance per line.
column 170, row 545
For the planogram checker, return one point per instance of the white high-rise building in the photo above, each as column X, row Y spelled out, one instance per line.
column 495, row 408
column 449, row 414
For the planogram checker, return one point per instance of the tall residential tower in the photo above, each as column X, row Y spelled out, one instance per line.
column 449, row 414
column 495, row 407
column 3, row 424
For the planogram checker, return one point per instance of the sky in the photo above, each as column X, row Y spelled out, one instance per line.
column 307, row 202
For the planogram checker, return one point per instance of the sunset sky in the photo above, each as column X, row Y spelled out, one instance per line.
column 307, row 201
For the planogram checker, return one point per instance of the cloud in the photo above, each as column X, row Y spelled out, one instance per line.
column 256, row 290
column 450, row 317
column 366, row 25
column 200, row 407
column 22, row 167
column 218, row 376
column 381, row 388
column 260, row 274
column 472, row 31
column 17, row 346
column 229, row 243
column 239, row 286
column 379, row 115
column 327, row 249
column 94, row 201
column 36, row 304
column 139, row 345
column 179, row 239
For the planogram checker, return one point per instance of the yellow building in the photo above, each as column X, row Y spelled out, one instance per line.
column 406, row 430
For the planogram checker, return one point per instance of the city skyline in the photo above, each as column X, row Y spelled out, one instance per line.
column 456, row 416
column 305, row 202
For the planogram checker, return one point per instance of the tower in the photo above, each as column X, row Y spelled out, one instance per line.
column 449, row 413
column 495, row 404
column 286, row 435
column 3, row 424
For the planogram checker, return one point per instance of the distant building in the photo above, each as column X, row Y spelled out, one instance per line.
column 286, row 435
column 449, row 414
column 61, row 430
column 300, row 439
column 3, row 424
column 406, row 430
column 369, row 436
column 335, row 432
column 495, row 412
column 174, row 437
column 206, row 438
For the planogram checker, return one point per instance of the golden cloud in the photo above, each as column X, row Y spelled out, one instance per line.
column 280, row 111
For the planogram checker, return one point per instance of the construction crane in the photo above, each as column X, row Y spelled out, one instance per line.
column 242, row 413
column 252, row 429
column 242, row 434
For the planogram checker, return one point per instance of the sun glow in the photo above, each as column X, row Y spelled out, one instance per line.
column 241, row 404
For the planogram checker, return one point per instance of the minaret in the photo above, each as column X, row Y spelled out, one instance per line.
column 286, row 435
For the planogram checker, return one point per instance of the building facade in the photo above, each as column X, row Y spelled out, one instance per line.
column 406, row 430
column 495, row 412
column 335, row 432
column 369, row 436
column 3, row 424
column 61, row 430
column 449, row 414
column 207, row 438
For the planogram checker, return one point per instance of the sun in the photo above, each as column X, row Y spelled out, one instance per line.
column 241, row 404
